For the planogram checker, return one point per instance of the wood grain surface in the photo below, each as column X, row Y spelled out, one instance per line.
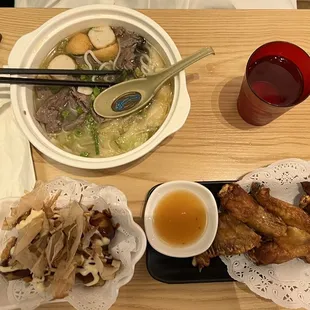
column 214, row 144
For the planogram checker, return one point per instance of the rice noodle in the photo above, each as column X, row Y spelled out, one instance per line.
column 89, row 52
column 145, row 61
column 147, row 66
column 87, row 61
column 109, row 78
column 108, row 65
column 94, row 57
column 116, row 58
column 144, row 70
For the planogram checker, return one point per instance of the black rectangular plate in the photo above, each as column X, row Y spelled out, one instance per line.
column 180, row 270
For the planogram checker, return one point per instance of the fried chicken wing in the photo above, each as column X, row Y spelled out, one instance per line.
column 290, row 214
column 232, row 237
column 241, row 205
column 202, row 260
column 294, row 237
column 304, row 202
column 272, row 253
column 306, row 187
column 296, row 244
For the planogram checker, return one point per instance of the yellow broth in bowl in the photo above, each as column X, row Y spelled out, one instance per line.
column 180, row 218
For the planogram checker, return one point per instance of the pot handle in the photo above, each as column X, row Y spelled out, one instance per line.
column 4, row 93
column 14, row 62
column 181, row 112
column 20, row 45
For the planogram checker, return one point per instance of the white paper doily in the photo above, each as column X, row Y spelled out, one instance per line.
column 128, row 246
column 288, row 284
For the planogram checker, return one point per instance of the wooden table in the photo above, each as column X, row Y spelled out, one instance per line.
column 214, row 144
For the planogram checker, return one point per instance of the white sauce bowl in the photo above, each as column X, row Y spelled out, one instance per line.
column 205, row 240
column 31, row 49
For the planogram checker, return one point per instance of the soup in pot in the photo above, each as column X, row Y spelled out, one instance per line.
column 67, row 114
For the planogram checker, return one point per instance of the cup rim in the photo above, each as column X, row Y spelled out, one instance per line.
column 296, row 102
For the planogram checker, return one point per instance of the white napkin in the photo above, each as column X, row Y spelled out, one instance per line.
column 16, row 166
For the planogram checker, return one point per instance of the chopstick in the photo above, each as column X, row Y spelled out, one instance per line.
column 26, row 81
column 25, row 71
column 34, row 81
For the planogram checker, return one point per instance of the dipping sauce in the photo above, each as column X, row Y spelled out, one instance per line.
column 180, row 218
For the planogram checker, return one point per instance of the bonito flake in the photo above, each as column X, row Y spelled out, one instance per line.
column 56, row 247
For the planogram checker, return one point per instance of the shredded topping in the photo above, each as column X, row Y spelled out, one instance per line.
column 53, row 245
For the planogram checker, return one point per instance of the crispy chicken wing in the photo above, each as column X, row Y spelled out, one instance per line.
column 272, row 253
column 232, row 237
column 242, row 206
column 306, row 187
column 304, row 202
column 295, row 244
column 291, row 215
column 294, row 237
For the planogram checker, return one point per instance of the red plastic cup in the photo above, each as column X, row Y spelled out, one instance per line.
column 277, row 78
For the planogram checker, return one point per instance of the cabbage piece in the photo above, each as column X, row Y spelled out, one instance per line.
column 108, row 133
column 155, row 59
column 136, row 129
column 134, row 132
column 158, row 109
column 132, row 139
column 77, row 141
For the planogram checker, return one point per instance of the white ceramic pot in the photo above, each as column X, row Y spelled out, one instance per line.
column 30, row 50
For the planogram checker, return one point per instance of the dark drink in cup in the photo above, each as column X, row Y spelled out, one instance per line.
column 274, row 82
